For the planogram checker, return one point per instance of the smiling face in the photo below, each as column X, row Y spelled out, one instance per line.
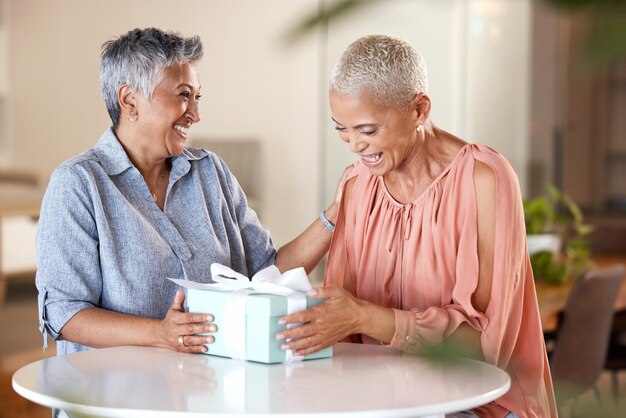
column 383, row 137
column 165, row 119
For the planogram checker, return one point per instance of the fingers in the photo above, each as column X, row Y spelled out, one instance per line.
column 192, row 338
column 193, row 343
column 322, row 325
column 179, row 300
column 193, row 318
column 187, row 331
column 191, row 329
column 309, row 344
column 307, row 348
column 325, row 292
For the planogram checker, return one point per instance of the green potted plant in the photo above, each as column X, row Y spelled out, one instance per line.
column 556, row 236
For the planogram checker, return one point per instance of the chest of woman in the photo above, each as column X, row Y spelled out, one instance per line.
column 404, row 255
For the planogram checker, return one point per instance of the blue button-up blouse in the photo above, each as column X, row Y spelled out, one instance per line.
column 103, row 242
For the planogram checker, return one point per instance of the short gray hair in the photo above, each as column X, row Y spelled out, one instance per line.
column 138, row 59
column 388, row 68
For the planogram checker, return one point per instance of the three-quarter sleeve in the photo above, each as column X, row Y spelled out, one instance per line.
column 68, row 267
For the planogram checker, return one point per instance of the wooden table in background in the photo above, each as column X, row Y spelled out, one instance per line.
column 17, row 198
column 552, row 298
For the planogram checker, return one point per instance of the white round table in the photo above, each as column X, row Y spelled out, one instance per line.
column 358, row 381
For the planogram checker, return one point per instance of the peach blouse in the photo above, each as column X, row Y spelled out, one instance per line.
column 421, row 259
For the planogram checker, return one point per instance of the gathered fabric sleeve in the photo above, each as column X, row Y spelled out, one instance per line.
column 68, row 264
column 499, row 324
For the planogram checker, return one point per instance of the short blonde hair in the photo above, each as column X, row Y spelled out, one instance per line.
column 388, row 68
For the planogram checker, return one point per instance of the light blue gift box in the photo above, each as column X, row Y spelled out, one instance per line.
column 262, row 314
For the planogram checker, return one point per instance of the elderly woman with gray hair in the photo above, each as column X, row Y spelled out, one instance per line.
column 429, row 246
column 140, row 206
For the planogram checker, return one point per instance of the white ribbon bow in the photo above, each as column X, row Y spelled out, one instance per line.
column 293, row 284
column 268, row 280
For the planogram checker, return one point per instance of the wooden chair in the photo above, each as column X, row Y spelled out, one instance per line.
column 582, row 339
column 616, row 357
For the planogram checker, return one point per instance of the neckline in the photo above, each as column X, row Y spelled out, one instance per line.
column 436, row 181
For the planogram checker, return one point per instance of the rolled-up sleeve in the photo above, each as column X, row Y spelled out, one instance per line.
column 68, row 269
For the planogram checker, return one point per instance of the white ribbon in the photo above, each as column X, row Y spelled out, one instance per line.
column 270, row 281
column 293, row 284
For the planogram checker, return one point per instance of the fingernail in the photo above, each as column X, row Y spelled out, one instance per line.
column 210, row 340
column 284, row 347
column 312, row 292
column 281, row 321
column 280, row 337
column 204, row 349
column 209, row 318
column 212, row 328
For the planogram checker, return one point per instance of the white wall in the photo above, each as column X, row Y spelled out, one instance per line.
column 433, row 28
column 5, row 91
column 477, row 54
column 253, row 86
column 498, row 78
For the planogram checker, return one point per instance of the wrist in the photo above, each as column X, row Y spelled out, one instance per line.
column 327, row 222
column 376, row 321
column 155, row 334
column 332, row 212
column 363, row 316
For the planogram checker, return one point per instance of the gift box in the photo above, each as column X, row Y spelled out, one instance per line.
column 247, row 311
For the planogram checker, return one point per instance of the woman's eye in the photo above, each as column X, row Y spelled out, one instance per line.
column 185, row 94
column 369, row 133
column 198, row 96
column 340, row 128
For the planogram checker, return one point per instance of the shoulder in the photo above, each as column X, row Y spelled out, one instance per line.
column 79, row 168
column 484, row 179
column 488, row 159
column 352, row 174
column 495, row 180
column 207, row 160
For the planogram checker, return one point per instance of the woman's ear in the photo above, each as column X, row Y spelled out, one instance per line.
column 421, row 106
column 127, row 101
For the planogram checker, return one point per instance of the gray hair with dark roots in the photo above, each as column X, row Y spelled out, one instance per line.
column 388, row 68
column 138, row 59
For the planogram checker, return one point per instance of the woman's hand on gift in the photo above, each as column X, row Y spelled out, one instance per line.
column 178, row 330
column 341, row 315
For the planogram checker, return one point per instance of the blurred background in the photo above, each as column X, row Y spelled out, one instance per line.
column 541, row 81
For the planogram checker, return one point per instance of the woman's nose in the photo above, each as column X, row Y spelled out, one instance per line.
column 356, row 145
column 193, row 111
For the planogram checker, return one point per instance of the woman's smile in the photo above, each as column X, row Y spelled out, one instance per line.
column 372, row 159
column 182, row 130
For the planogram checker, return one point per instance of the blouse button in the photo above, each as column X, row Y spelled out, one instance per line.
column 408, row 338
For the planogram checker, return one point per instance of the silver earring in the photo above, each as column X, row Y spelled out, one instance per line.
column 132, row 117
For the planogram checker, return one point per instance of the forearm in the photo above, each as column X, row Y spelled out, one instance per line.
column 376, row 321
column 308, row 248
column 465, row 341
column 96, row 327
